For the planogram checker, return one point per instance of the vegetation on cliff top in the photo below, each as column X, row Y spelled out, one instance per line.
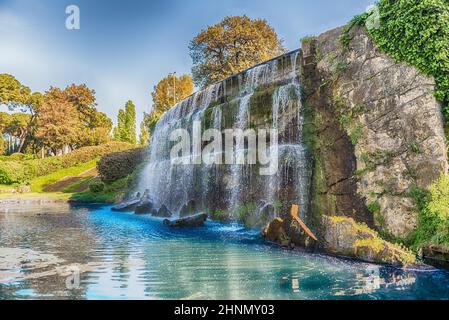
column 416, row 32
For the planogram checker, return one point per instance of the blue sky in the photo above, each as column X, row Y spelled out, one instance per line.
column 124, row 48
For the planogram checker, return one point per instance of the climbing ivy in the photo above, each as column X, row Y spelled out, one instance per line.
column 416, row 32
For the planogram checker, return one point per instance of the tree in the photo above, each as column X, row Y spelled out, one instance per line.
column 130, row 122
column 126, row 124
column 68, row 119
column 96, row 126
column 92, row 127
column 5, row 119
column 119, row 131
column 58, row 122
column 144, row 135
column 147, row 127
column 231, row 46
column 169, row 91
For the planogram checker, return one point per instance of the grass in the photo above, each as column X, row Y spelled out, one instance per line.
column 36, row 196
column 38, row 184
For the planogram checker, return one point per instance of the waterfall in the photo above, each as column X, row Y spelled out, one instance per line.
column 267, row 96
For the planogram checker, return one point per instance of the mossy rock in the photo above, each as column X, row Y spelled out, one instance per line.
column 343, row 236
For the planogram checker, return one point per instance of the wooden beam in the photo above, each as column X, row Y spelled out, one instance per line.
column 294, row 213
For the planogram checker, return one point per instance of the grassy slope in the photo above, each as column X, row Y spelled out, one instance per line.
column 38, row 184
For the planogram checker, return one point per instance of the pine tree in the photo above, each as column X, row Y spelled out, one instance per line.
column 126, row 124
column 130, row 122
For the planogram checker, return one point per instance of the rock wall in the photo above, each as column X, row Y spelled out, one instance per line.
column 375, row 129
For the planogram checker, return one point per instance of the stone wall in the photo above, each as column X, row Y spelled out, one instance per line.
column 375, row 129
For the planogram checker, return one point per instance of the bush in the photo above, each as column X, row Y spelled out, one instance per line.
column 119, row 165
column 433, row 223
column 96, row 187
column 112, row 192
column 22, row 171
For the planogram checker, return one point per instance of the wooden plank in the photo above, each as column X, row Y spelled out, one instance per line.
column 294, row 213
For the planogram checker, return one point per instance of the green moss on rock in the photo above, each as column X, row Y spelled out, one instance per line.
column 343, row 236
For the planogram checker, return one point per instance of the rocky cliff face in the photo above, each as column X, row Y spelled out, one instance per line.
column 376, row 132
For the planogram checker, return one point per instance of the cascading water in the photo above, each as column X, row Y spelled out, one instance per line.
column 267, row 96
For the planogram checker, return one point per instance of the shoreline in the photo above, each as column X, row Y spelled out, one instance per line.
column 41, row 198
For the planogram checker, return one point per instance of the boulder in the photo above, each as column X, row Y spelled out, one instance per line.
column 163, row 212
column 287, row 231
column 196, row 220
column 275, row 232
column 145, row 207
column 188, row 209
column 128, row 205
column 266, row 211
column 343, row 236
column 436, row 255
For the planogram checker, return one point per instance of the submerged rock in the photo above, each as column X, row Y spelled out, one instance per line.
column 163, row 212
column 287, row 232
column 436, row 255
column 145, row 207
column 188, row 209
column 196, row 220
column 129, row 205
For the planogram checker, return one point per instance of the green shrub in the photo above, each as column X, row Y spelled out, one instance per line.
column 17, row 171
column 97, row 187
column 112, row 192
column 433, row 222
column 118, row 165
column 18, row 157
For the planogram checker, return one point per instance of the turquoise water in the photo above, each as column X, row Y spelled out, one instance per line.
column 124, row 256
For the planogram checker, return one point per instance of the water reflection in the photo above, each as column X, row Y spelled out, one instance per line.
column 123, row 256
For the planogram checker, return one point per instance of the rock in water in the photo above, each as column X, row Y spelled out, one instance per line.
column 266, row 211
column 196, row 220
column 275, row 232
column 163, row 212
column 127, row 205
column 343, row 236
column 188, row 209
column 144, row 207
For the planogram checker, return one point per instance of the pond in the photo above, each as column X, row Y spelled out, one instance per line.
column 57, row 251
